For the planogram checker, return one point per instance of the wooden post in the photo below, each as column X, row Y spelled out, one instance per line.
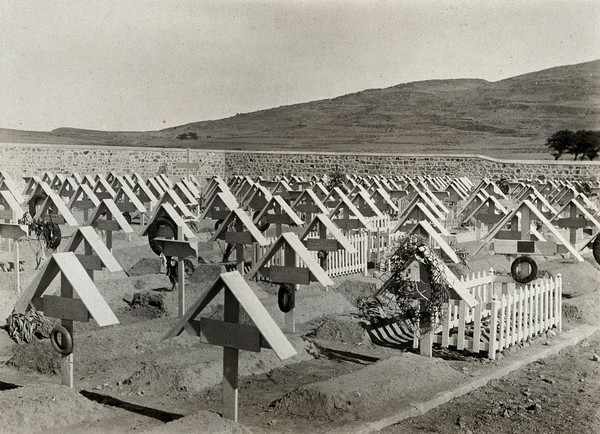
column 526, row 225
column 493, row 324
column 572, row 231
column 66, row 362
column 239, row 248
column 17, row 266
column 366, row 247
column 476, row 327
column 109, row 235
column 558, row 300
column 323, row 235
column 378, row 244
column 230, row 361
column 88, row 251
column 426, row 348
column 462, row 320
column 290, row 261
column 181, row 276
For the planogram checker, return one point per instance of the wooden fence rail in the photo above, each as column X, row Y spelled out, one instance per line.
column 506, row 314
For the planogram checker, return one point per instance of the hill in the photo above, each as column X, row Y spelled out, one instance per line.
column 511, row 117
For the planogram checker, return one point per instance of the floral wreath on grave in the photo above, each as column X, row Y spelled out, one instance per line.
column 24, row 327
column 422, row 311
column 503, row 184
column 336, row 179
column 47, row 234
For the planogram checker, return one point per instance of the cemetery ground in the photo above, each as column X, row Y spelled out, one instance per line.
column 127, row 378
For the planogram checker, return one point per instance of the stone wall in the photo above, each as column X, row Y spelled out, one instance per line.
column 474, row 166
column 25, row 159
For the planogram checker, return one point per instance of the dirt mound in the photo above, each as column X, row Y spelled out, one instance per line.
column 367, row 393
column 145, row 305
column 592, row 261
column 344, row 329
column 129, row 253
column 148, row 300
column 210, row 252
column 205, row 273
column 156, row 379
column 355, row 288
column 583, row 309
column 36, row 356
column 145, row 266
column 40, row 407
column 578, row 278
column 203, row 421
column 483, row 262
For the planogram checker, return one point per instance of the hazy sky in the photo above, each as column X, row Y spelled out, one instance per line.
column 146, row 65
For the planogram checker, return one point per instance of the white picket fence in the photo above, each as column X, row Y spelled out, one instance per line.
column 375, row 247
column 339, row 263
column 506, row 314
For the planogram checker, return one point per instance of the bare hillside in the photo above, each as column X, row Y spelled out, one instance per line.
column 504, row 118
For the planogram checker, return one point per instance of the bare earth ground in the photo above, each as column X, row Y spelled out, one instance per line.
column 132, row 380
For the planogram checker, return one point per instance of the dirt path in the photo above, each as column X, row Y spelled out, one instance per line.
column 560, row 394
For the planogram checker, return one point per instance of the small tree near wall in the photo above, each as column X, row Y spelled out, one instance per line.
column 582, row 143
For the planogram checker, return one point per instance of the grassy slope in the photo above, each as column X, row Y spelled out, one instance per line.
column 508, row 118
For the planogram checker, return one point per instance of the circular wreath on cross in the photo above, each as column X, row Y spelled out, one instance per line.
column 423, row 309
column 153, row 230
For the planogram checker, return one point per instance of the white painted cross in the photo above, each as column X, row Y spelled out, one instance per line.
column 187, row 165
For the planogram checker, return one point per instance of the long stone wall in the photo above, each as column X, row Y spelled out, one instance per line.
column 25, row 160
column 474, row 166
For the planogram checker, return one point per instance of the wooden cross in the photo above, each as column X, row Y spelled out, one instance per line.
column 187, row 165
column 111, row 221
column 230, row 334
column 290, row 272
column 67, row 308
column 10, row 211
column 184, row 245
column 15, row 232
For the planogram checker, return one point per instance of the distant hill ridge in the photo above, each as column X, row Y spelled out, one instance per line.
column 507, row 118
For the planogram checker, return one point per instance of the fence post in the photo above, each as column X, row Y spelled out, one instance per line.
column 526, row 317
column 491, row 293
column 514, row 304
column 547, row 289
column 558, row 299
column 477, row 328
column 493, row 325
column 378, row 244
column 538, row 308
column 501, row 336
column 551, row 303
column 462, row 319
column 365, row 253
column 446, row 326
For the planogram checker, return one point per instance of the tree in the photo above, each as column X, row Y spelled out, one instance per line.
column 188, row 136
column 560, row 143
column 583, row 143
column 586, row 143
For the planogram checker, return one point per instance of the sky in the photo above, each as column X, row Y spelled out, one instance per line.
column 146, row 65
